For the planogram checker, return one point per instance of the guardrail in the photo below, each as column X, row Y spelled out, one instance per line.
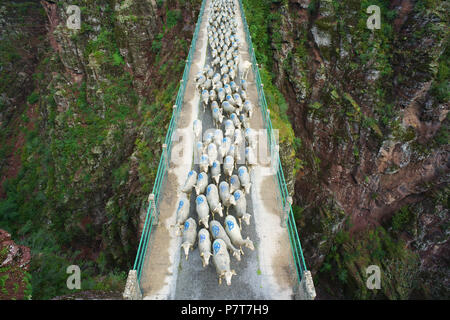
column 165, row 156
column 296, row 247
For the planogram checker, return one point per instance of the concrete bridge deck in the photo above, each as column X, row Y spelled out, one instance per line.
column 267, row 272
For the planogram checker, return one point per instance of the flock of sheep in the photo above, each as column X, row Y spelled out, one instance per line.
column 219, row 150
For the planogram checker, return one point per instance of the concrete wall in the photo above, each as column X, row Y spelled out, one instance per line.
column 132, row 290
column 306, row 289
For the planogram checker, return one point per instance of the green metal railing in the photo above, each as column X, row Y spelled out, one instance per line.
column 164, row 161
column 296, row 247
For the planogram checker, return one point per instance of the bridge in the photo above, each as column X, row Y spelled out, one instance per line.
column 276, row 268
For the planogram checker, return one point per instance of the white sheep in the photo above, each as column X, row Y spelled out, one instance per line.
column 204, row 246
column 234, row 86
column 230, row 99
column 237, row 123
column 215, row 171
column 189, row 236
column 216, row 78
column 197, row 128
column 244, row 68
column 207, row 137
column 182, row 214
column 218, row 137
column 241, row 207
column 217, row 117
column 234, row 234
column 228, row 107
column 212, row 195
column 245, row 121
column 218, row 232
column 248, row 108
column 212, row 153
column 221, row 94
column 205, row 99
column 251, row 137
column 227, row 88
column 250, row 157
column 201, row 79
column 199, row 148
column 190, row 181
column 238, row 139
column 238, row 102
column 225, row 196
column 228, row 165
column 212, row 95
column 244, row 178
column 229, row 128
column 202, row 183
column 221, row 260
column 202, row 208
column 204, row 163
column 234, row 152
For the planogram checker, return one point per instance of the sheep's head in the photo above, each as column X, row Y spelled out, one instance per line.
column 186, row 246
column 228, row 275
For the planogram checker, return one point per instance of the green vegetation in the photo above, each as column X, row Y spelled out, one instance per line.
column 12, row 278
column 349, row 257
column 441, row 86
column 442, row 136
column 157, row 44
column 402, row 219
column 297, row 211
column 33, row 98
column 173, row 17
column 70, row 201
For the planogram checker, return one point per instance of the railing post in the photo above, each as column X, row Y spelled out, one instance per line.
column 286, row 210
column 175, row 112
column 305, row 289
column 165, row 155
column 154, row 210
column 132, row 289
column 275, row 158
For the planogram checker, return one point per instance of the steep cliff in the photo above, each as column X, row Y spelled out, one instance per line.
column 362, row 117
column 84, row 127
column 369, row 112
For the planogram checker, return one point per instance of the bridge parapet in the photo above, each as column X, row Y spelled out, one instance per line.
column 306, row 289
column 132, row 289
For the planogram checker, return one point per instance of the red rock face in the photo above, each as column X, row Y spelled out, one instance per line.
column 366, row 171
column 14, row 262
column 16, row 255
